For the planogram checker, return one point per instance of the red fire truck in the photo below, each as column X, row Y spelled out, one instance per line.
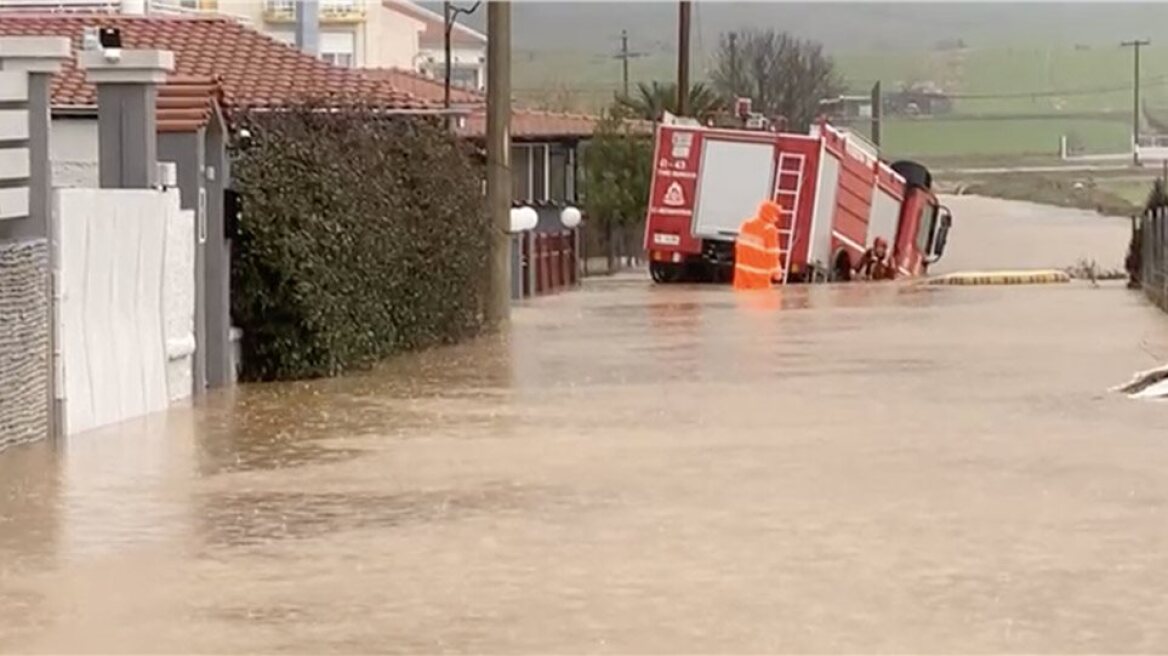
column 837, row 198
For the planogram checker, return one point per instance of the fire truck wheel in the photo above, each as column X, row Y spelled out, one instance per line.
column 916, row 175
column 841, row 267
column 666, row 272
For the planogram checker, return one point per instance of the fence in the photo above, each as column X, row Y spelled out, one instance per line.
column 1149, row 237
column 544, row 262
column 546, row 259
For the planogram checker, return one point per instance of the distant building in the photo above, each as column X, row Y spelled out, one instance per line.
column 923, row 99
column 845, row 108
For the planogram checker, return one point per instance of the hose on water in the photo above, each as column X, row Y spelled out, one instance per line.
column 1040, row 277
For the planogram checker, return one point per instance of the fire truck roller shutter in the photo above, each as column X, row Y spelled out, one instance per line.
column 735, row 177
column 915, row 175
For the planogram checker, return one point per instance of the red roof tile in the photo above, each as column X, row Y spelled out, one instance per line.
column 424, row 87
column 535, row 124
column 186, row 103
column 253, row 69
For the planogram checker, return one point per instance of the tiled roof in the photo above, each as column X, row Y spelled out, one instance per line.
column 186, row 103
column 424, row 87
column 534, row 124
column 254, row 70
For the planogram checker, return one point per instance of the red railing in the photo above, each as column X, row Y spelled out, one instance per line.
column 550, row 262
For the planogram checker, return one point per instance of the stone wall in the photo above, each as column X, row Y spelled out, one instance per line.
column 24, row 342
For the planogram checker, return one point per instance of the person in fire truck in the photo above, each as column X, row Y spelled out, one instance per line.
column 756, row 249
column 875, row 264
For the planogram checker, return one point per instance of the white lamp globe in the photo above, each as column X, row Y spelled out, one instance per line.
column 530, row 217
column 570, row 217
column 517, row 219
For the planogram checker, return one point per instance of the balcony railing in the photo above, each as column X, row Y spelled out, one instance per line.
column 194, row 8
column 331, row 11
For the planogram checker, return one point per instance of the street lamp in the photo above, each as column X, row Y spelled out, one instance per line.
column 570, row 217
column 523, row 219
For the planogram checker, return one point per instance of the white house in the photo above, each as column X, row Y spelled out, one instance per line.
column 468, row 47
column 382, row 34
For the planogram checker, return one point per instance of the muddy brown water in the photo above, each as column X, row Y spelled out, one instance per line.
column 636, row 469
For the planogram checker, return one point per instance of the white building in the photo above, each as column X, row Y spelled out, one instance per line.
column 353, row 33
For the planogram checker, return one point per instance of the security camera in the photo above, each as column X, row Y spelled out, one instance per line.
column 112, row 55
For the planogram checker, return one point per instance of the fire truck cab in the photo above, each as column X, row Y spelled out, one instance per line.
column 837, row 197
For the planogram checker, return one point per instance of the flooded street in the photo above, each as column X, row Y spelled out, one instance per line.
column 640, row 469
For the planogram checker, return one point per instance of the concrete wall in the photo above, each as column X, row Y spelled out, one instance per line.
column 24, row 341
column 73, row 152
column 126, row 310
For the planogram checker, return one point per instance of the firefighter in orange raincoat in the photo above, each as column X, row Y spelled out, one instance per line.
column 756, row 250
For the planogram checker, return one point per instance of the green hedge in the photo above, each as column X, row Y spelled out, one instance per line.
column 362, row 235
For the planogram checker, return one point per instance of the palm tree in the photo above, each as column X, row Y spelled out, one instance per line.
column 651, row 100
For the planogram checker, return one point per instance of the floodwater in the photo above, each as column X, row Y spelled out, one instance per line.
column 637, row 469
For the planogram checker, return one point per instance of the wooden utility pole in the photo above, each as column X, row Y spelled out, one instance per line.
column 683, row 58
column 499, row 159
column 1136, row 45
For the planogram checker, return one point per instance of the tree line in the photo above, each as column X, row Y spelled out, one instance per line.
column 783, row 75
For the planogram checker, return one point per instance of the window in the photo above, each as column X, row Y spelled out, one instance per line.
column 579, row 179
column 558, row 191
column 341, row 59
column 337, row 48
column 925, row 228
column 461, row 76
column 520, row 173
column 539, row 190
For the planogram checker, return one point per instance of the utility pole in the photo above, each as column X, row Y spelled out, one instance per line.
column 1136, row 45
column 450, row 14
column 877, row 113
column 733, row 38
column 683, row 58
column 499, row 160
column 624, row 55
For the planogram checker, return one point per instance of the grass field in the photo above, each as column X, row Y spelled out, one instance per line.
column 1023, row 81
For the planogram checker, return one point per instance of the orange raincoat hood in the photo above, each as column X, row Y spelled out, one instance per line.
column 769, row 211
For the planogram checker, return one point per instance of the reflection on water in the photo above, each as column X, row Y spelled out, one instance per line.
column 633, row 469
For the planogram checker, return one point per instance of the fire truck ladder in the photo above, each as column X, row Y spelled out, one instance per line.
column 788, row 186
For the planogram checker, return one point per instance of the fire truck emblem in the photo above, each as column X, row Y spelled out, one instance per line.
column 674, row 196
column 682, row 141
